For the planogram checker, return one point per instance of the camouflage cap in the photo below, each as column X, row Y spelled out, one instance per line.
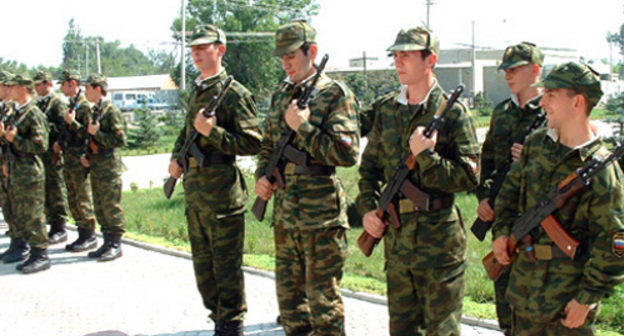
column 415, row 39
column 4, row 76
column 576, row 76
column 42, row 76
column 68, row 75
column 20, row 79
column 291, row 36
column 521, row 54
column 206, row 34
column 97, row 80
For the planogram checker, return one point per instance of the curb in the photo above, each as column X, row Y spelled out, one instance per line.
column 371, row 298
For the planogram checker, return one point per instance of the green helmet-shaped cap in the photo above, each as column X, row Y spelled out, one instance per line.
column 68, row 75
column 521, row 54
column 291, row 36
column 97, row 80
column 206, row 34
column 20, row 79
column 573, row 75
column 42, row 76
column 416, row 39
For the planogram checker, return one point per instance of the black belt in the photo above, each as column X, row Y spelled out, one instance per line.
column 310, row 170
column 211, row 159
column 435, row 204
column 104, row 151
column 22, row 155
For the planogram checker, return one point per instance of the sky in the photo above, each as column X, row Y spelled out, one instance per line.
column 346, row 28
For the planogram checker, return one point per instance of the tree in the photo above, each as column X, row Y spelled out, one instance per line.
column 617, row 39
column 147, row 132
column 248, row 57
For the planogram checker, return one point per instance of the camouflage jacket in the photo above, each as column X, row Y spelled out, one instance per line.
column 508, row 123
column 593, row 216
column 31, row 139
column 54, row 109
column 236, row 133
column 448, row 168
column 331, row 137
column 77, row 134
column 6, row 111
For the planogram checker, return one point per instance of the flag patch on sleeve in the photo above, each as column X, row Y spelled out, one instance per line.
column 346, row 141
column 618, row 244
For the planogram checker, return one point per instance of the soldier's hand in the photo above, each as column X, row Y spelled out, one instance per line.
column 10, row 133
column 264, row 188
column 1, row 128
column 419, row 142
column 373, row 225
column 576, row 313
column 485, row 211
column 56, row 147
column 499, row 247
column 93, row 128
column 5, row 170
column 204, row 125
column 516, row 149
column 84, row 161
column 294, row 116
column 175, row 170
column 69, row 117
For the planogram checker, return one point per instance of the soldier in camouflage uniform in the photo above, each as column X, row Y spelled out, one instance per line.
column 6, row 111
column 27, row 137
column 553, row 294
column 214, row 189
column 426, row 257
column 102, row 160
column 310, row 212
column 522, row 66
column 55, row 194
column 72, row 144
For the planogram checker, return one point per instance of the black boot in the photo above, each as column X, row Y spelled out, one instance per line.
column 19, row 253
column 38, row 261
column 9, row 250
column 114, row 248
column 231, row 328
column 57, row 232
column 98, row 253
column 86, row 241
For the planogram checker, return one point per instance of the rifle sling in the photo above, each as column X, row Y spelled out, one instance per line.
column 407, row 205
column 310, row 170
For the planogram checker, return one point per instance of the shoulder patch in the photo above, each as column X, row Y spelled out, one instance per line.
column 618, row 244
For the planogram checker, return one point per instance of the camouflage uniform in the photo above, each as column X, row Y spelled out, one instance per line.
column 508, row 123
column 55, row 195
column 310, row 212
column 538, row 292
column 425, row 258
column 215, row 194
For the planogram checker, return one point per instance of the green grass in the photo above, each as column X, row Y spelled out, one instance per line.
column 151, row 217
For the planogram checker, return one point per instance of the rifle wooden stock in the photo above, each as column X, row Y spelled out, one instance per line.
column 169, row 186
column 259, row 206
column 366, row 242
column 495, row 269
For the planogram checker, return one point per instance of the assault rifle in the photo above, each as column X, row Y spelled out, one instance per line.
column 92, row 146
column 62, row 138
column 283, row 149
column 541, row 214
column 190, row 148
column 399, row 184
column 481, row 227
column 10, row 155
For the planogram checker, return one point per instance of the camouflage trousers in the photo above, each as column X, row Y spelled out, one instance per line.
column 528, row 326
column 7, row 213
column 27, row 205
column 105, row 175
column 503, row 308
column 78, row 190
column 55, row 192
column 425, row 301
column 308, row 273
column 217, row 249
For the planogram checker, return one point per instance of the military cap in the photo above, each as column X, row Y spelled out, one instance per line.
column 20, row 79
column 97, row 80
column 415, row 39
column 206, row 34
column 521, row 54
column 292, row 36
column 4, row 76
column 68, row 75
column 576, row 76
column 42, row 76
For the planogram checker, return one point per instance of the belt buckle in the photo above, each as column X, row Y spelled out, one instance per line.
column 407, row 206
column 289, row 168
column 192, row 163
column 543, row 252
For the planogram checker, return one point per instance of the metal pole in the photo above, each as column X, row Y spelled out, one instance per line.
column 97, row 54
column 182, row 50
column 364, row 68
column 87, row 58
column 474, row 63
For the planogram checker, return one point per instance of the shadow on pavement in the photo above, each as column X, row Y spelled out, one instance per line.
column 260, row 329
column 107, row 333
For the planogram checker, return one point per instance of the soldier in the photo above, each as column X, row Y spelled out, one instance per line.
column 55, row 194
column 6, row 112
column 425, row 258
column 551, row 294
column 214, row 189
column 522, row 66
column 310, row 219
column 72, row 146
column 27, row 137
column 103, row 163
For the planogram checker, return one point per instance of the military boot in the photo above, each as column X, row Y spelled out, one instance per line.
column 98, row 253
column 38, row 261
column 86, row 241
column 57, row 232
column 231, row 328
column 113, row 250
column 19, row 253
column 9, row 250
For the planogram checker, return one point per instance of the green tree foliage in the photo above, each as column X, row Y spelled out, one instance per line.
column 146, row 133
column 248, row 56
column 370, row 87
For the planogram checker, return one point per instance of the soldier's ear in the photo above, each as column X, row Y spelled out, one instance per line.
column 313, row 50
column 222, row 48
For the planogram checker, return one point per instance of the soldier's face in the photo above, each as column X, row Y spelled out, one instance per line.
column 3, row 92
column 43, row 89
column 92, row 94
column 520, row 78
column 69, row 88
column 558, row 104
column 206, row 57
column 411, row 67
column 297, row 65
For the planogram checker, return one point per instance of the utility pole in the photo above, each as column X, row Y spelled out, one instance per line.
column 364, row 68
column 87, row 58
column 474, row 64
column 97, row 55
column 429, row 3
column 182, row 50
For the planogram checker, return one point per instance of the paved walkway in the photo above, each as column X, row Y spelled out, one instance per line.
column 144, row 293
